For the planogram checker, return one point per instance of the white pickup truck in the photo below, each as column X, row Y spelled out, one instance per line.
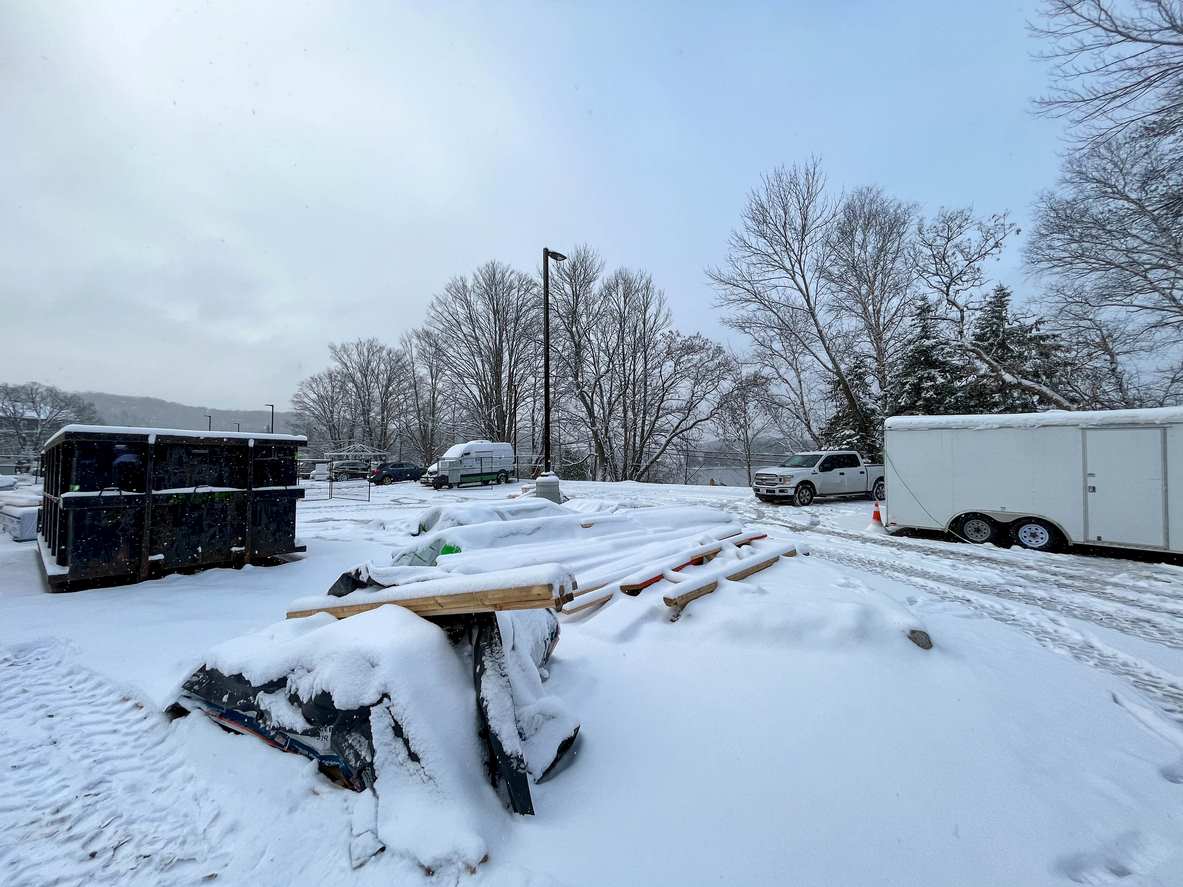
column 804, row 476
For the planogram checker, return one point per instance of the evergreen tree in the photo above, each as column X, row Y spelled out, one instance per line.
column 931, row 377
column 846, row 430
column 1019, row 343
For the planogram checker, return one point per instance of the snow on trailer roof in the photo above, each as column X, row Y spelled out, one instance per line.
column 174, row 432
column 1089, row 418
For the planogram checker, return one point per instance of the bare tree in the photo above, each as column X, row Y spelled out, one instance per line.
column 778, row 286
column 871, row 272
column 376, row 377
column 325, row 408
column 424, row 414
column 746, row 415
column 633, row 386
column 1116, row 65
column 487, row 328
column 1112, row 241
column 31, row 412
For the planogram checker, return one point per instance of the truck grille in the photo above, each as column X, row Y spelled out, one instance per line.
column 766, row 479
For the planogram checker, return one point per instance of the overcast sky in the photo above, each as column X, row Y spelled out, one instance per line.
column 197, row 198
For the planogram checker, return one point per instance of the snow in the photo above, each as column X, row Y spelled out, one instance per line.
column 174, row 432
column 1084, row 418
column 783, row 730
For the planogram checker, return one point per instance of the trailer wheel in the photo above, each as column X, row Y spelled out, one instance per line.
column 1035, row 534
column 804, row 494
column 878, row 490
column 502, row 478
column 976, row 528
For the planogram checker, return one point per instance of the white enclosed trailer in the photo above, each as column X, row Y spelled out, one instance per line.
column 1041, row 479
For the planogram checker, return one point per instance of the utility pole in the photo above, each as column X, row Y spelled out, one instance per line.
column 547, row 255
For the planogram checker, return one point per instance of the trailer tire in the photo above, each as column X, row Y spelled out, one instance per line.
column 1035, row 534
column 804, row 494
column 976, row 528
column 878, row 490
column 502, row 478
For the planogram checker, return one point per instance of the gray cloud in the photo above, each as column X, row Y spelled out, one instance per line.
column 197, row 197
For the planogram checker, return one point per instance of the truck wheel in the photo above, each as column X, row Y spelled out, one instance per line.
column 878, row 490
column 803, row 495
column 976, row 528
column 502, row 478
column 1035, row 534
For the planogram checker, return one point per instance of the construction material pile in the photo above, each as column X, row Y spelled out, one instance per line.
column 418, row 681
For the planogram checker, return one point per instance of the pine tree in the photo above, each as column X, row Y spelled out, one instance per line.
column 846, row 430
column 1019, row 343
column 931, row 376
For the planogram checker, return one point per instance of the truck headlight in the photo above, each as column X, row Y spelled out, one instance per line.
column 786, row 478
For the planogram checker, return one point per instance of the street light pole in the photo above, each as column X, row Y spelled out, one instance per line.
column 271, row 427
column 547, row 255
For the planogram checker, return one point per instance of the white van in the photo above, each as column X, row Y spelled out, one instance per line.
column 1040, row 480
column 478, row 461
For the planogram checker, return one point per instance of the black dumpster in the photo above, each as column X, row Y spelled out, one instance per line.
column 125, row 504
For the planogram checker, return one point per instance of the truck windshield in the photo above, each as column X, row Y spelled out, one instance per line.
column 801, row 460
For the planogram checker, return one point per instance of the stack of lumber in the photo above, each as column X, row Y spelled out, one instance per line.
column 546, row 586
column 672, row 570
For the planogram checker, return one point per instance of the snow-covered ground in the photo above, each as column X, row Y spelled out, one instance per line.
column 784, row 731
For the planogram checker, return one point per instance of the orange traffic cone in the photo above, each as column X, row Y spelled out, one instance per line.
column 876, row 524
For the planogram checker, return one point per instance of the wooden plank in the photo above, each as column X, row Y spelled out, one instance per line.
column 593, row 604
column 744, row 569
column 702, row 557
column 679, row 601
column 533, row 596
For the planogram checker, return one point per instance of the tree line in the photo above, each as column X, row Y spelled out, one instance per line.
column 851, row 306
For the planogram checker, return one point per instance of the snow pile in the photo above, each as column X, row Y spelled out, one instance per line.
column 23, row 499
column 414, row 684
column 444, row 517
column 561, row 535
column 1087, row 418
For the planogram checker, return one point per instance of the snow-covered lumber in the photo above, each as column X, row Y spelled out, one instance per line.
column 703, row 582
column 653, row 573
column 592, row 604
column 542, row 586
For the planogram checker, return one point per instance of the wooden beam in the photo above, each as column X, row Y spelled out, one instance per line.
column 698, row 559
column 518, row 598
column 593, row 604
column 741, row 570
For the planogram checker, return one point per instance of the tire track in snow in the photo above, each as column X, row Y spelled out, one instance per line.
column 871, row 554
column 1086, row 595
column 1160, row 686
column 93, row 789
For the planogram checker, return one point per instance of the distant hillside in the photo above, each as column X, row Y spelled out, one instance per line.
column 122, row 409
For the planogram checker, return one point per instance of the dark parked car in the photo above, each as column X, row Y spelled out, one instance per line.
column 389, row 472
column 349, row 468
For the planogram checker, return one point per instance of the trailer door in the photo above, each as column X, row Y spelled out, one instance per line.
column 1125, row 486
